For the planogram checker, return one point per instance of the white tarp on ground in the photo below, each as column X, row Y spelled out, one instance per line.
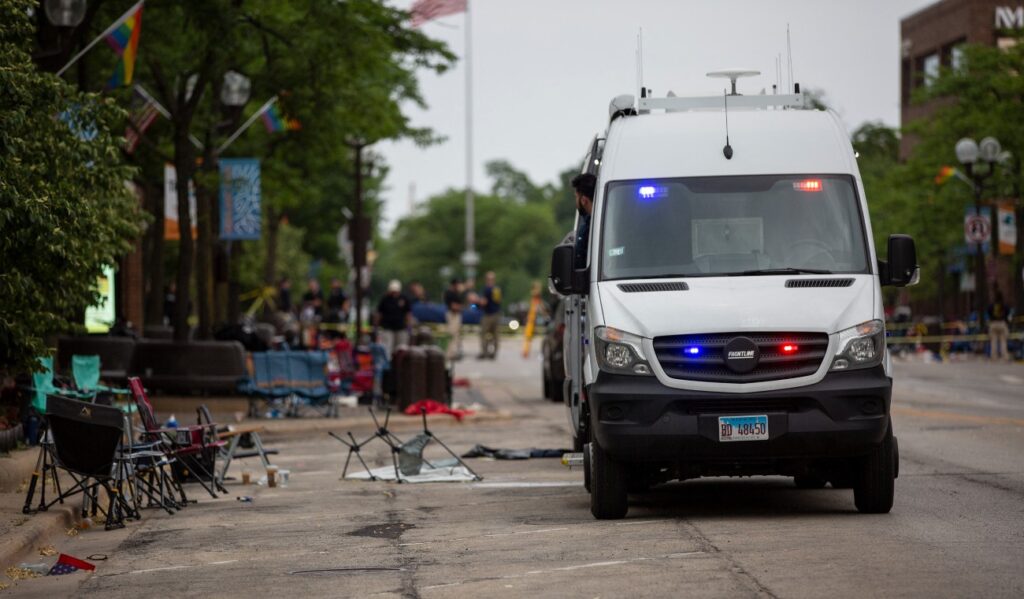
column 443, row 472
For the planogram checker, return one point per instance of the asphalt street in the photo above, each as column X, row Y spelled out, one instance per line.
column 957, row 528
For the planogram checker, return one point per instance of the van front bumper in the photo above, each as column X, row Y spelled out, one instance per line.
column 639, row 420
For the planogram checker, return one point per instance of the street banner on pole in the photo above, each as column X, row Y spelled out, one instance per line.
column 1007, row 230
column 171, row 231
column 240, row 216
column 978, row 227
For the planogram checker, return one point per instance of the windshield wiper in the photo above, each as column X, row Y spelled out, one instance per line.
column 780, row 271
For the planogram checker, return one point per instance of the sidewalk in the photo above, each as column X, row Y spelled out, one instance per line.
column 22, row 534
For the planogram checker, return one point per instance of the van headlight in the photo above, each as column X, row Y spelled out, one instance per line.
column 620, row 352
column 861, row 346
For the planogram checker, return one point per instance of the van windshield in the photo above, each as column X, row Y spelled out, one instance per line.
column 722, row 226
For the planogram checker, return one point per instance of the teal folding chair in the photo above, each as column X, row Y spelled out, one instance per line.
column 85, row 370
column 42, row 386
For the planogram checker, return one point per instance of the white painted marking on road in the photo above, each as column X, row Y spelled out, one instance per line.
column 638, row 522
column 227, row 561
column 525, row 485
column 525, row 532
column 1013, row 380
column 579, row 567
column 159, row 569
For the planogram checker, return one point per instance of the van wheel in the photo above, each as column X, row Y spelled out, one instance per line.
column 876, row 486
column 809, row 482
column 608, row 494
column 586, row 466
column 547, row 387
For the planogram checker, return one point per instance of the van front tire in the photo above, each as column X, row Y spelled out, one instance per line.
column 875, row 488
column 609, row 498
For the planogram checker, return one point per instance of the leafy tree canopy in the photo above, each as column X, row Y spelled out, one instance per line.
column 64, row 209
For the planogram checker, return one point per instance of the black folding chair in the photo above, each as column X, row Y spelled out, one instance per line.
column 86, row 441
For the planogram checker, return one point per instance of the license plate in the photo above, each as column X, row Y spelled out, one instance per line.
column 742, row 428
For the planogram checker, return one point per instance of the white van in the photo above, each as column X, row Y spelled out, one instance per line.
column 729, row 320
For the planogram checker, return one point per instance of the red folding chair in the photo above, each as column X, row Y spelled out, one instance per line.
column 194, row 446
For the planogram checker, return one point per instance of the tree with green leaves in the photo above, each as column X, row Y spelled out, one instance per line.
column 981, row 97
column 65, row 211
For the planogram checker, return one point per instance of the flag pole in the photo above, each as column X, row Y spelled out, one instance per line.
column 166, row 113
column 246, row 124
column 106, row 32
column 469, row 259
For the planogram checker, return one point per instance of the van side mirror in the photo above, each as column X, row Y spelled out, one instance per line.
column 901, row 268
column 564, row 278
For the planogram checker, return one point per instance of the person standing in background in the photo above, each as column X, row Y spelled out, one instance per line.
column 453, row 318
column 393, row 318
column 284, row 295
column 337, row 303
column 490, row 301
column 998, row 329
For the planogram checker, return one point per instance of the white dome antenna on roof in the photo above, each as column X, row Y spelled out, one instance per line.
column 732, row 75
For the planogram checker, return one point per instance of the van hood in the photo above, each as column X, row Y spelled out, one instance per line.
column 737, row 304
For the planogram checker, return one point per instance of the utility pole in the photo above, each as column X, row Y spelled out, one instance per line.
column 470, row 259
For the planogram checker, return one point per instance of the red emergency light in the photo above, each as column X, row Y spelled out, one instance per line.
column 789, row 348
column 808, row 185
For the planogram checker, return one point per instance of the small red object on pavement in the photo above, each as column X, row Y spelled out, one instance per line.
column 430, row 406
column 67, row 564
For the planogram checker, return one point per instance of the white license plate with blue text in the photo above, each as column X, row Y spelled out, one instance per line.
column 743, row 428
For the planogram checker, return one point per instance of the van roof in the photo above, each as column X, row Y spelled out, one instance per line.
column 689, row 144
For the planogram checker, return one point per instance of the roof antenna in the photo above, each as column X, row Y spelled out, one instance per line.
column 727, row 150
column 789, row 59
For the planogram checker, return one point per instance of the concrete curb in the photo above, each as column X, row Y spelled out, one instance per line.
column 22, row 540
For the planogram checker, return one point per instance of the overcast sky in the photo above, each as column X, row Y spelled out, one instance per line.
column 544, row 71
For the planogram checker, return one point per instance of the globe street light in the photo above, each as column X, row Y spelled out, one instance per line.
column 65, row 13
column 235, row 89
column 968, row 152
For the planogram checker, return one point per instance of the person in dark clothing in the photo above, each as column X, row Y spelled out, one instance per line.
column 453, row 317
column 170, row 297
column 284, row 295
column 490, row 301
column 313, row 299
column 337, row 303
column 583, row 186
column 393, row 318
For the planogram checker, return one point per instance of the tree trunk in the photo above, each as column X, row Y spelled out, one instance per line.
column 203, row 262
column 184, row 163
column 270, row 264
column 234, row 260
column 155, row 257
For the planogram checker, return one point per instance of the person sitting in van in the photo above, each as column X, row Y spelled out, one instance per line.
column 583, row 186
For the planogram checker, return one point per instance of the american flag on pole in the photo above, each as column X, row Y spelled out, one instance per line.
column 144, row 112
column 428, row 10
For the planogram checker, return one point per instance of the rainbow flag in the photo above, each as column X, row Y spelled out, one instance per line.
column 276, row 123
column 945, row 174
column 124, row 40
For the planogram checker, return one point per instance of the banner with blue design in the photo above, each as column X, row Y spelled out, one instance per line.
column 240, row 216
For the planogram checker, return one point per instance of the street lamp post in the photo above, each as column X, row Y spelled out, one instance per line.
column 969, row 153
column 235, row 91
column 65, row 13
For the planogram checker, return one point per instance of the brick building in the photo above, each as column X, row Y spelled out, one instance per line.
column 932, row 37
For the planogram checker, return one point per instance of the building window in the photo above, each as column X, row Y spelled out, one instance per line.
column 956, row 56
column 906, row 81
column 930, row 69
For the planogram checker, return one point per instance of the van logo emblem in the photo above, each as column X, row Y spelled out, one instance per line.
column 741, row 355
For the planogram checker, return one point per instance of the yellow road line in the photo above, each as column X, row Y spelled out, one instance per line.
column 952, row 416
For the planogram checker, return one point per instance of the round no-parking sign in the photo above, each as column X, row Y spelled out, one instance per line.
column 977, row 228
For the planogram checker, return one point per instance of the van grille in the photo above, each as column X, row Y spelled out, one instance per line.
column 709, row 365
column 643, row 287
column 819, row 282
